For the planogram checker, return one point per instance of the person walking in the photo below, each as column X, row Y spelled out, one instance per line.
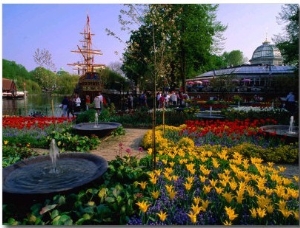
column 290, row 102
column 77, row 103
column 87, row 102
column 173, row 98
column 64, row 104
column 98, row 103
column 71, row 105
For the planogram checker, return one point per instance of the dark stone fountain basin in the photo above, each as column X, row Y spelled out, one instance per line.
column 209, row 116
column 101, row 129
column 282, row 131
column 33, row 177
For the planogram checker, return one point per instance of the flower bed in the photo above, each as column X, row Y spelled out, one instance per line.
column 21, row 122
column 195, row 181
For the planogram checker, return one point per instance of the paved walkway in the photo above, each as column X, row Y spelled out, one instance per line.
column 111, row 146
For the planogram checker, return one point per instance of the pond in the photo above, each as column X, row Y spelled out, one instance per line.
column 43, row 103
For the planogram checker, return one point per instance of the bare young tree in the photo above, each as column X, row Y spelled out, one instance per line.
column 43, row 58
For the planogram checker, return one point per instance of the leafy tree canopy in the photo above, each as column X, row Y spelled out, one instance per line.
column 288, row 42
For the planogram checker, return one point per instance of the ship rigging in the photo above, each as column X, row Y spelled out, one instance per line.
column 90, row 82
column 87, row 65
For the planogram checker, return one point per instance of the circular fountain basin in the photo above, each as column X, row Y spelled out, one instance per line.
column 209, row 116
column 34, row 176
column 101, row 129
column 281, row 130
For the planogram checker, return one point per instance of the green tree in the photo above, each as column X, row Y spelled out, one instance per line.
column 45, row 78
column 113, row 80
column 12, row 70
column 185, row 37
column 288, row 42
column 233, row 58
column 66, row 83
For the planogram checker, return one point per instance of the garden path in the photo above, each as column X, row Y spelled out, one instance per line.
column 111, row 146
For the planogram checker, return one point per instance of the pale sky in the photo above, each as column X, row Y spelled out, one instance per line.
column 56, row 28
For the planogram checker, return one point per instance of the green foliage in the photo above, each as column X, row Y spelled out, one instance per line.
column 111, row 203
column 12, row 153
column 45, row 78
column 66, row 83
column 289, row 43
column 86, row 116
column 118, row 131
column 191, row 31
column 281, row 116
column 12, row 70
column 67, row 141
column 233, row 58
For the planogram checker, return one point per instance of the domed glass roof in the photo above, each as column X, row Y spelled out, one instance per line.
column 266, row 54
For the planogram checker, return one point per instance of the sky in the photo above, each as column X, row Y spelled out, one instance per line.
column 56, row 28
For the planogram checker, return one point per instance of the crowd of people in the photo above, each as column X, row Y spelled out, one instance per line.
column 171, row 98
column 72, row 104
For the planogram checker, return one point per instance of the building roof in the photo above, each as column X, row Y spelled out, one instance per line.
column 250, row 70
column 7, row 84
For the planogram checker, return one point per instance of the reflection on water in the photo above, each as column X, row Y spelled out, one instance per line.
column 32, row 103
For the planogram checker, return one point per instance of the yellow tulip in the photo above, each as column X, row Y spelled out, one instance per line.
column 143, row 184
column 155, row 194
column 204, row 204
column 172, row 194
column 196, row 200
column 262, row 201
column 143, row 206
column 196, row 209
column 175, row 177
column 213, row 183
column 228, row 196
column 193, row 217
column 162, row 215
column 219, row 190
column 187, row 185
column 261, row 212
column 153, row 180
column 253, row 213
column 227, row 223
column 230, row 213
column 207, row 189
column 270, row 209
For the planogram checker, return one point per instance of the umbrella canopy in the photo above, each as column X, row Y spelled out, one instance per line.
column 205, row 81
column 190, row 83
column 197, row 82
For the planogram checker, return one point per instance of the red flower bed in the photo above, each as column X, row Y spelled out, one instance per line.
column 220, row 127
column 21, row 122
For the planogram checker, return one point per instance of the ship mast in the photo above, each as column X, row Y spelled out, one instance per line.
column 87, row 52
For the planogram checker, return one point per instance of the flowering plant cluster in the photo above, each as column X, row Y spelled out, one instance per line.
column 258, row 109
column 21, row 122
column 22, row 134
column 244, row 136
column 193, row 185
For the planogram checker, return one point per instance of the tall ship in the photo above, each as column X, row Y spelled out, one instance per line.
column 90, row 82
